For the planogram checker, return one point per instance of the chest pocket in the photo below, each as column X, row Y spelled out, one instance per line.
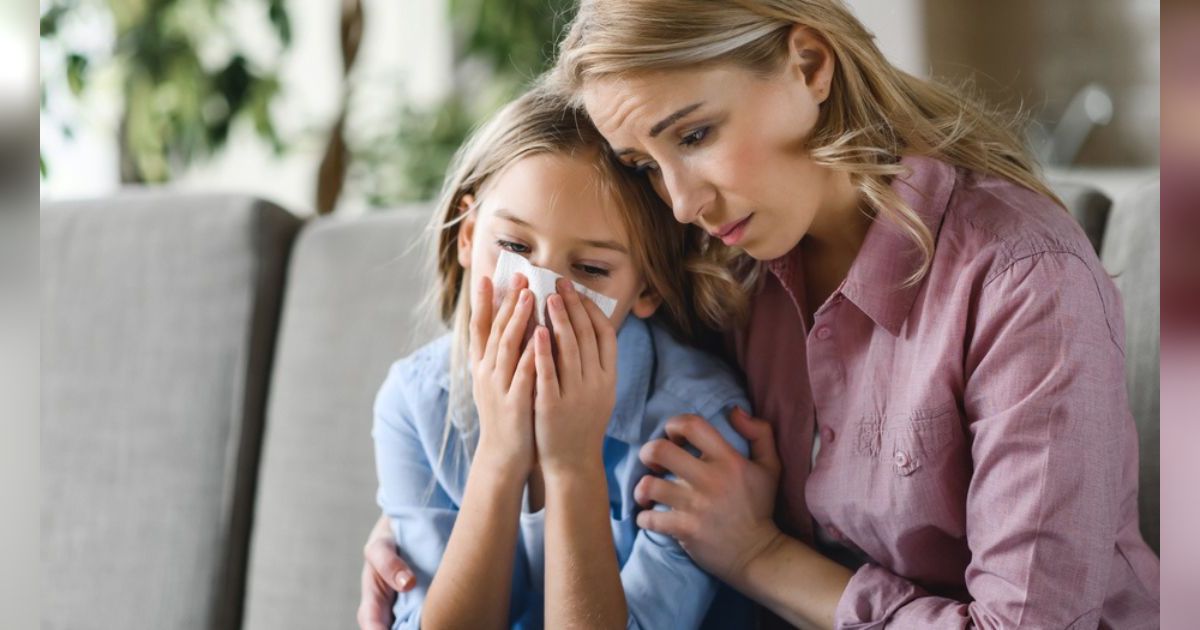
column 907, row 443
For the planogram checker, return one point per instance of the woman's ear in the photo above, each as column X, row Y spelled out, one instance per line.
column 811, row 60
column 466, row 229
column 646, row 303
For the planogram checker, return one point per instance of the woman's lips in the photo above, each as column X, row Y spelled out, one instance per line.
column 731, row 233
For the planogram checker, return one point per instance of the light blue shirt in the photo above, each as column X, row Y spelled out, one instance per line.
column 421, row 488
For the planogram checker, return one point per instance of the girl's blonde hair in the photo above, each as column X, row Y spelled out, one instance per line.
column 875, row 112
column 697, row 296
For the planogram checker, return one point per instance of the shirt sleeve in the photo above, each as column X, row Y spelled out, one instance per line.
column 1044, row 397
column 664, row 588
column 421, row 513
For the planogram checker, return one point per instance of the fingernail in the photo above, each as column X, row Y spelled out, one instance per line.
column 403, row 578
column 525, row 296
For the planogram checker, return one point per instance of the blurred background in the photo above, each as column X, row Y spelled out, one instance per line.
column 324, row 105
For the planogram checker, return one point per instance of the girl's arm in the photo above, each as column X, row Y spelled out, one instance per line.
column 575, row 398
column 473, row 584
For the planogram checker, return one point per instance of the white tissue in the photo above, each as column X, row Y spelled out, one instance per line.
column 541, row 283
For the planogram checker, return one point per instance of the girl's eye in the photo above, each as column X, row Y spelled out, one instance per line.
column 694, row 137
column 595, row 272
column 515, row 248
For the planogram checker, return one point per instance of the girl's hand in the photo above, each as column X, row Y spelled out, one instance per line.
column 576, row 393
column 503, row 376
column 722, row 503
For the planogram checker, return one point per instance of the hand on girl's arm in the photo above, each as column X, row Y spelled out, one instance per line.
column 575, row 398
column 474, row 580
column 721, row 514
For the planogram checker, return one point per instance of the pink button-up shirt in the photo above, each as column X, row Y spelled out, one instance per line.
column 976, row 441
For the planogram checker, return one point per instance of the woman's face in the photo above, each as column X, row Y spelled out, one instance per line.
column 726, row 148
column 551, row 210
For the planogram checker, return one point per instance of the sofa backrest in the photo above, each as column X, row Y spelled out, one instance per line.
column 350, row 310
column 1131, row 254
column 158, row 318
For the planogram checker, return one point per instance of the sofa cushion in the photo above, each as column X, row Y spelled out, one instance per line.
column 1089, row 206
column 158, row 319
column 1131, row 255
column 350, row 311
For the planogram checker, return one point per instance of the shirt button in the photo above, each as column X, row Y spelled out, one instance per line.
column 824, row 333
column 827, row 435
column 901, row 459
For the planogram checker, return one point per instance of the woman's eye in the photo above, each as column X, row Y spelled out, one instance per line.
column 596, row 272
column 645, row 168
column 515, row 248
column 694, row 137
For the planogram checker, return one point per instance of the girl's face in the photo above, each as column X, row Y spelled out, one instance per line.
column 726, row 148
column 551, row 210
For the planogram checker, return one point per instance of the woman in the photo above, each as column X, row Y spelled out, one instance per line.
column 934, row 345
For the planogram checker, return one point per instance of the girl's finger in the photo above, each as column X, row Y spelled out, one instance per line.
column 568, row 348
column 585, row 334
column 523, row 377
column 651, row 490
column 508, row 351
column 606, row 336
column 481, row 316
column 547, row 374
column 502, row 316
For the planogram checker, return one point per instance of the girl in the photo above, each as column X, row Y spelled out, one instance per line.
column 514, row 508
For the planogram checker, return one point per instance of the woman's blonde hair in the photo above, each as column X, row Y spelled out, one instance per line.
column 875, row 112
column 697, row 297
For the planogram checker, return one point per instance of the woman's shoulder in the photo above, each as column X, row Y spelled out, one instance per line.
column 998, row 222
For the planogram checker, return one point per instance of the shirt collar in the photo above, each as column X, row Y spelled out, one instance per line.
column 635, row 368
column 876, row 280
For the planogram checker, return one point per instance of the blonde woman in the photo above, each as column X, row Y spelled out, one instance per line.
column 934, row 346
column 508, row 471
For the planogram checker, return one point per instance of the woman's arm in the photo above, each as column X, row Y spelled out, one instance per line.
column 1050, row 434
column 575, row 398
column 384, row 575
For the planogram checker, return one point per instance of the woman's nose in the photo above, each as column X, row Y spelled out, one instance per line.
column 684, row 193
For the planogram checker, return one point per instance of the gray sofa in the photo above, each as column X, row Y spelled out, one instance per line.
column 208, row 369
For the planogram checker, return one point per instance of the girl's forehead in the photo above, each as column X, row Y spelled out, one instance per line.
column 559, row 193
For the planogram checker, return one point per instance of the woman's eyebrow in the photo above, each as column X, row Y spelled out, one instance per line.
column 661, row 125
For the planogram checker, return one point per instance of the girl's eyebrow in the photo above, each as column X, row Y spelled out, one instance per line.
column 613, row 245
column 509, row 216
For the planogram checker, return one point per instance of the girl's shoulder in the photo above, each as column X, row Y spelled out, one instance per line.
column 416, row 383
column 690, row 380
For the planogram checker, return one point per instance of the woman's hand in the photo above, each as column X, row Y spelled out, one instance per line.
column 722, row 503
column 503, row 376
column 384, row 574
column 576, row 393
